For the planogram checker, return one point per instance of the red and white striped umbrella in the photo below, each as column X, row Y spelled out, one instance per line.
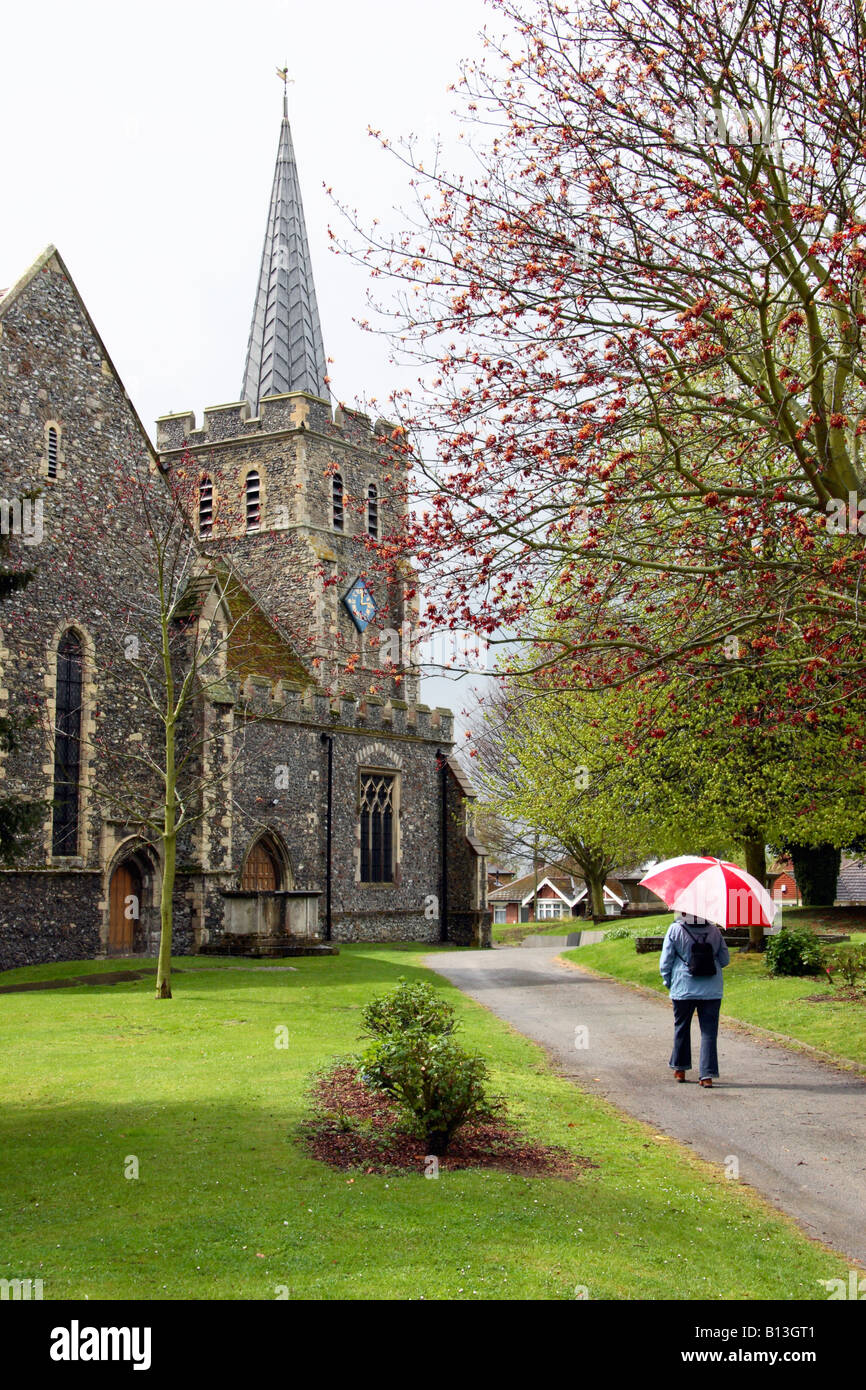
column 713, row 889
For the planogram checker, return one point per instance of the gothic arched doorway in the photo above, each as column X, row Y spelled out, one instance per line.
column 261, row 873
column 125, row 908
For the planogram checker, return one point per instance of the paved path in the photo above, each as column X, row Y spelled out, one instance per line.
column 797, row 1126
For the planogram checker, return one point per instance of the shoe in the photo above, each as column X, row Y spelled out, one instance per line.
column 706, row 1081
column 679, row 1076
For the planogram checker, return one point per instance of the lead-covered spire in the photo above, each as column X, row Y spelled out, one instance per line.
column 285, row 350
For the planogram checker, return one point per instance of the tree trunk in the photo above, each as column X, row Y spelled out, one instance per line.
column 756, row 865
column 596, row 890
column 166, row 919
column 437, row 1142
column 169, row 846
column 535, row 881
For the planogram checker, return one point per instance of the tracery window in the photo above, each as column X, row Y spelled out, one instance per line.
column 377, row 827
column 67, row 745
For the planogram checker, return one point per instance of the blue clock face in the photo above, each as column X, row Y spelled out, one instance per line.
column 360, row 605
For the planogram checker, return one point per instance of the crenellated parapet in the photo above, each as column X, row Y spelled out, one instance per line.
column 259, row 697
column 295, row 410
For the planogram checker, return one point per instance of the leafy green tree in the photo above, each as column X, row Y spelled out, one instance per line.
column 563, row 768
column 670, row 766
column 738, row 771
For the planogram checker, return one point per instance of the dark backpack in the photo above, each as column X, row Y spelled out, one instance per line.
column 700, row 958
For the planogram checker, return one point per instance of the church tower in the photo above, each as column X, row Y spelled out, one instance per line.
column 300, row 498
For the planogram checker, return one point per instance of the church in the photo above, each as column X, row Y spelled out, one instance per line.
column 318, row 800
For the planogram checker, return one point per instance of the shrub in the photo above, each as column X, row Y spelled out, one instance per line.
column 437, row 1085
column 793, row 951
column 850, row 963
column 415, row 1008
column 616, row 934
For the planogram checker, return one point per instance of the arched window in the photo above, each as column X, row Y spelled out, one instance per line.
column 377, row 827
column 52, row 451
column 338, row 501
column 205, row 506
column 373, row 511
column 261, row 872
column 252, row 494
column 67, row 745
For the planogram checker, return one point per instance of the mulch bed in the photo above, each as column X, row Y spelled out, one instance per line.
column 848, row 994
column 368, row 1137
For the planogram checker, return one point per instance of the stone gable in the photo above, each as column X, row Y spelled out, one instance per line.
column 258, row 737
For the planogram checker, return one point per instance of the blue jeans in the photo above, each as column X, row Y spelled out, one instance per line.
column 708, row 1018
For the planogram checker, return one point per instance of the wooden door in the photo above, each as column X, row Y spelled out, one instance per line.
column 260, row 872
column 123, row 913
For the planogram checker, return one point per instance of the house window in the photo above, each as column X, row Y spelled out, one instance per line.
column 377, row 827
column 549, row 908
column 252, row 491
column 67, row 745
column 53, row 447
column 499, row 913
column 373, row 511
column 337, row 487
column 205, row 507
column 260, row 872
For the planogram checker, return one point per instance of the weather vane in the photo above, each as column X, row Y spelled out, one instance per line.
column 284, row 74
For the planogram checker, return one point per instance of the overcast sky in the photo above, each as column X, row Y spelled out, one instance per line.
column 141, row 138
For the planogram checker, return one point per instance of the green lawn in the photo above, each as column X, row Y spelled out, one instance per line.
column 751, row 995
column 228, row 1206
column 512, row 934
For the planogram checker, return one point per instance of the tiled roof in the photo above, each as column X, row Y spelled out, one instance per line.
column 851, row 885
column 519, row 887
column 256, row 647
column 781, row 866
column 571, row 886
column 460, row 776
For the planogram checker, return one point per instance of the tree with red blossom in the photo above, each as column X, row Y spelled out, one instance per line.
column 638, row 319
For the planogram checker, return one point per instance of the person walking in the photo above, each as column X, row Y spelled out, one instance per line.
column 693, row 956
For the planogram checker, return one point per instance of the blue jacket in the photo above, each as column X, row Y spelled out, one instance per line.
column 675, row 971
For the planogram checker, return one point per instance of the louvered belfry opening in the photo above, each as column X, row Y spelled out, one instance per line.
column 373, row 512
column 205, row 507
column 253, row 501
column 260, row 872
column 377, row 827
column 52, row 452
column 67, row 745
column 337, row 493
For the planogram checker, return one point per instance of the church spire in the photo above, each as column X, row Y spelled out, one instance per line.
column 285, row 350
